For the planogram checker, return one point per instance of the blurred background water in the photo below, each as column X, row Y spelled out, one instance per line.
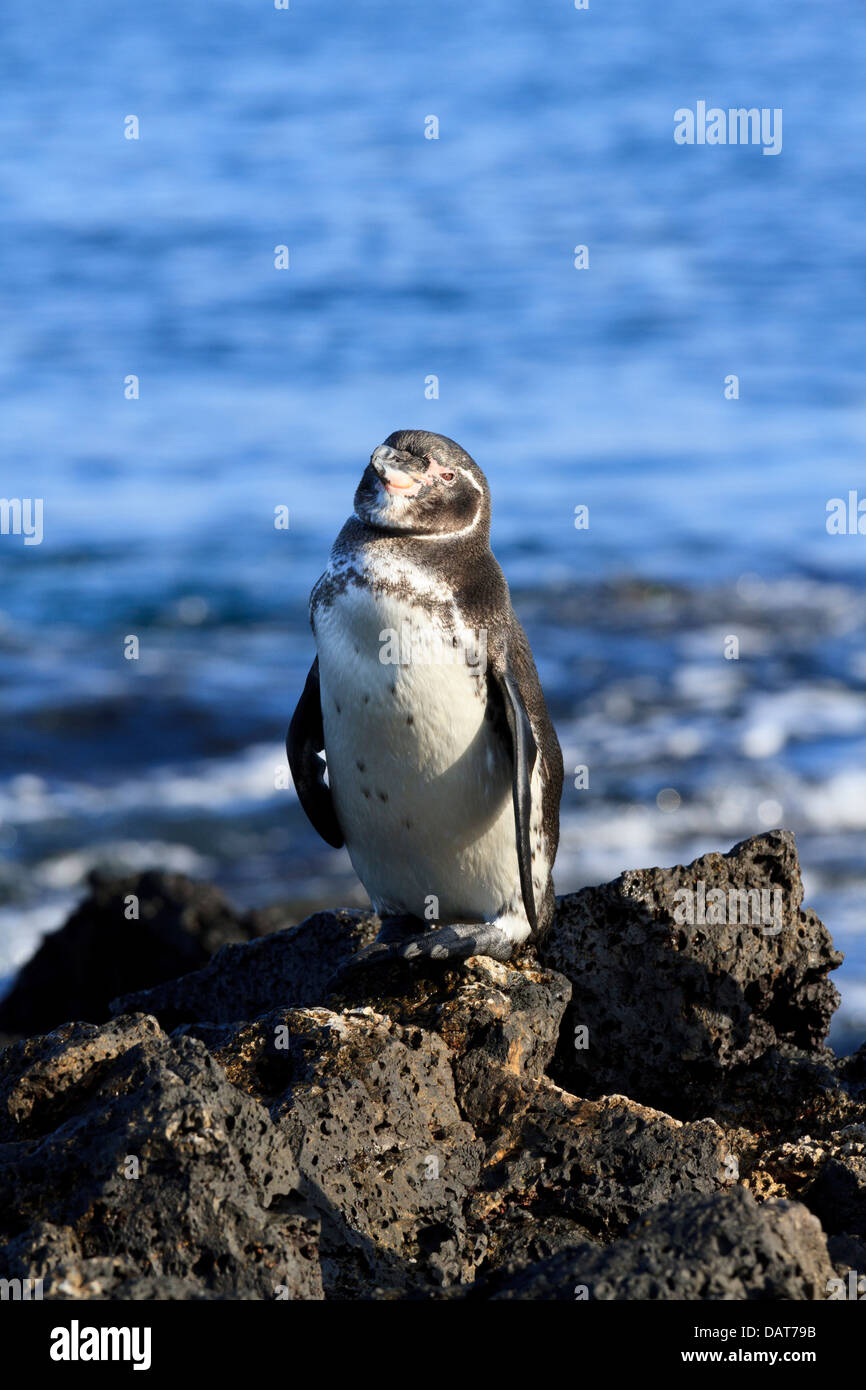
column 410, row 258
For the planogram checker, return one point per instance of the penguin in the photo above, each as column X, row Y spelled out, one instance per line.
column 422, row 740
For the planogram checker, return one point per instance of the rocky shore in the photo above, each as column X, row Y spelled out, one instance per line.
column 644, row 1109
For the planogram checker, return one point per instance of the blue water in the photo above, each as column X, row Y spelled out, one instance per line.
column 410, row 258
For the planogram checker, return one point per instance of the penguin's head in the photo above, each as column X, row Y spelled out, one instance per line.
column 423, row 484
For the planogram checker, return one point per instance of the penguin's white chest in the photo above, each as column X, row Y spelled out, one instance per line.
column 420, row 778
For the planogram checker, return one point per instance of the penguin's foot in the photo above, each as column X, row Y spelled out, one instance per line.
column 440, row 945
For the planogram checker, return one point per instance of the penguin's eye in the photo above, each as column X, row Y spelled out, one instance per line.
column 437, row 472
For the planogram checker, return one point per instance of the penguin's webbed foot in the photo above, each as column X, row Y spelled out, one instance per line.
column 440, row 945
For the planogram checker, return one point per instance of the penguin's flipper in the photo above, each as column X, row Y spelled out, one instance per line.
column 524, row 752
column 304, row 742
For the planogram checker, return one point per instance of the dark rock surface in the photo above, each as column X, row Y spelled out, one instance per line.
column 367, row 1107
column 673, row 1006
column 720, row 1247
column 599, row 1163
column 452, row 1135
column 129, row 1155
column 291, row 966
column 102, row 951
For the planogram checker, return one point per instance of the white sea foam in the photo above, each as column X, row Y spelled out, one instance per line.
column 22, row 928
column 121, row 856
column 245, row 778
column 806, row 712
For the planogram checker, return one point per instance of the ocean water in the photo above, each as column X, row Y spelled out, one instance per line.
column 413, row 258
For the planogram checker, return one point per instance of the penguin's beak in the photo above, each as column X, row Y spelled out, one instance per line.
column 391, row 467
